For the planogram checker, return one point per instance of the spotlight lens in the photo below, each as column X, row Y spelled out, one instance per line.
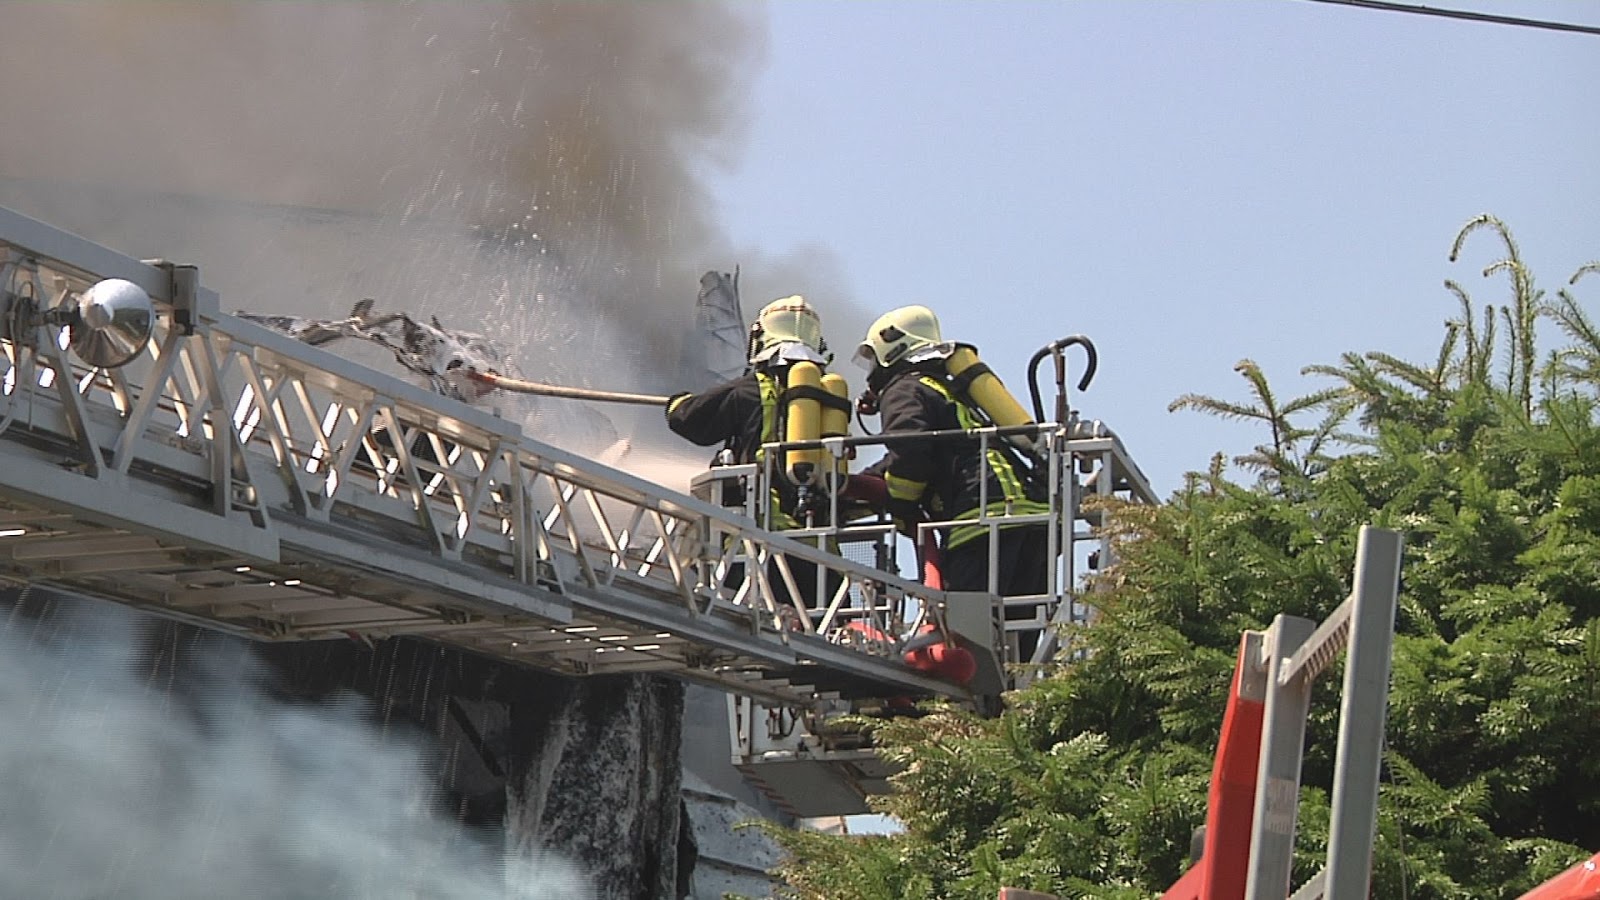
column 115, row 322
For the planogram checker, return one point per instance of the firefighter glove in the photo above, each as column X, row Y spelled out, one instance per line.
column 674, row 400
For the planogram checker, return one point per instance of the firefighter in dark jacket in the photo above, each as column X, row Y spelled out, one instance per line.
column 748, row 411
column 940, row 480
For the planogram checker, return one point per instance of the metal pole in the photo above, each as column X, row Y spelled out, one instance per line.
column 1283, row 735
column 1362, row 713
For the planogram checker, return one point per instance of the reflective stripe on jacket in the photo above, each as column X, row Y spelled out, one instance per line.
column 951, row 473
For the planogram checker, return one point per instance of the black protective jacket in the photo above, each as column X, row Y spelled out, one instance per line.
column 944, row 475
column 730, row 413
column 742, row 414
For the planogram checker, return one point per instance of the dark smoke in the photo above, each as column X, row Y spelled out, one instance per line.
column 533, row 171
column 530, row 169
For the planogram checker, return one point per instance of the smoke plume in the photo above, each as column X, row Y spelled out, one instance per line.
column 533, row 171
column 530, row 170
column 112, row 785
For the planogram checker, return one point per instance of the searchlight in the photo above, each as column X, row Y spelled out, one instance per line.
column 108, row 326
column 113, row 323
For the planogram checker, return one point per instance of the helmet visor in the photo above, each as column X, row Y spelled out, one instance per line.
column 791, row 352
column 865, row 357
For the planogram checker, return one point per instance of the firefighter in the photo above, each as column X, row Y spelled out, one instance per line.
column 907, row 359
column 748, row 411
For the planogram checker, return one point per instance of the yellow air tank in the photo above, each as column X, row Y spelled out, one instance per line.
column 804, row 421
column 986, row 390
column 836, row 423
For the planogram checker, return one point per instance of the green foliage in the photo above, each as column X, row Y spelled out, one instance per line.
column 1489, row 460
column 1295, row 451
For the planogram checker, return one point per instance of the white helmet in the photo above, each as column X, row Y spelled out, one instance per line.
column 788, row 330
column 910, row 333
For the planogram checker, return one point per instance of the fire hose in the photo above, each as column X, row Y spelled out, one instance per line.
column 519, row 386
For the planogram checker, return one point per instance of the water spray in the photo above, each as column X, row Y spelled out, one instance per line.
column 457, row 364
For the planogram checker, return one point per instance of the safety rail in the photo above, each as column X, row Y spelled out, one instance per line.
column 1076, row 459
column 797, row 755
column 233, row 476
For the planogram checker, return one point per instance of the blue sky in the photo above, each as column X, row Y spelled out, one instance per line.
column 1187, row 183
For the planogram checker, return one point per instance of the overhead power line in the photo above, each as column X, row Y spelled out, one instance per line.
column 1466, row 14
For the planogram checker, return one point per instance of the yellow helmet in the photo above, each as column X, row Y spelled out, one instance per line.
column 910, row 333
column 789, row 330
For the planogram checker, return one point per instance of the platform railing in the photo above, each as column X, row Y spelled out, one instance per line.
column 1076, row 460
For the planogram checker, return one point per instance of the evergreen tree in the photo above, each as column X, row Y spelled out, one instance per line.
column 1090, row 782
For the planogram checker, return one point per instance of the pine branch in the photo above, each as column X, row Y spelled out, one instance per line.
column 1484, row 221
column 1263, row 391
column 1447, row 349
column 1581, row 361
column 1520, row 316
column 1220, row 408
column 1355, row 373
column 1478, row 352
column 1314, row 400
column 1481, row 376
column 1410, row 373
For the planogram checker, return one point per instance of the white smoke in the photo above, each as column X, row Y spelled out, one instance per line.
column 531, row 171
column 115, row 787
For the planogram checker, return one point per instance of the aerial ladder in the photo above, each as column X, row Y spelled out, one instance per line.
column 160, row 453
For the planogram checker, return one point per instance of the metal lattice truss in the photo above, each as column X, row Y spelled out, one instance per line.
column 235, row 477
